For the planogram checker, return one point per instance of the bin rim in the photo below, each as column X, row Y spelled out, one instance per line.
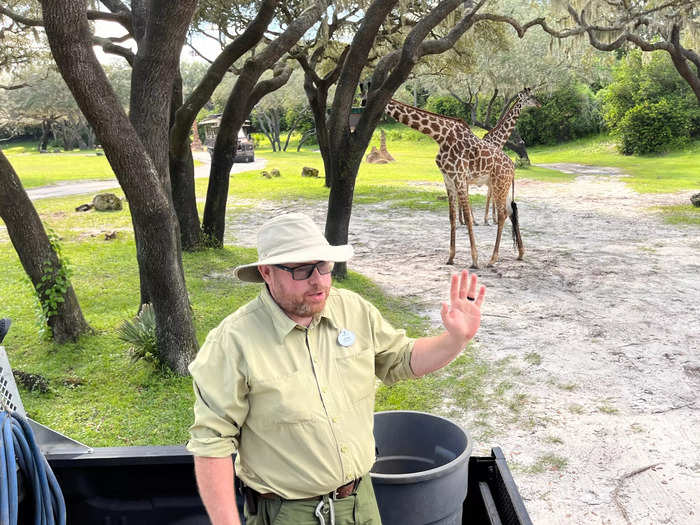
column 426, row 475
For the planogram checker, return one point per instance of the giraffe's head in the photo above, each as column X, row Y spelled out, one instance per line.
column 527, row 99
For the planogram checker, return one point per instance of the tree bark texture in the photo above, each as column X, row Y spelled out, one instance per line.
column 153, row 215
column 37, row 256
column 182, row 184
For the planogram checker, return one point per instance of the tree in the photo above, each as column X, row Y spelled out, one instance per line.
column 649, row 25
column 248, row 91
column 282, row 111
column 39, row 258
column 425, row 30
column 136, row 147
column 261, row 54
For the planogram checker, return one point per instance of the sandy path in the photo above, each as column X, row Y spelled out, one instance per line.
column 596, row 331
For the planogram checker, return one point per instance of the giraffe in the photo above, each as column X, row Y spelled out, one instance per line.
column 500, row 133
column 465, row 159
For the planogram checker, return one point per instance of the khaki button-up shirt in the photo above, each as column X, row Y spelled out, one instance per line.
column 295, row 403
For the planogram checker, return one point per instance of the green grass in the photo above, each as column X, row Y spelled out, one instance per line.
column 670, row 172
column 39, row 169
column 551, row 462
column 681, row 214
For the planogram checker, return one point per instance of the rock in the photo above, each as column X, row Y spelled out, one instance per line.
column 110, row 236
column 266, row 174
column 30, row 381
column 275, row 172
column 695, row 199
column 309, row 172
column 106, row 202
column 84, row 207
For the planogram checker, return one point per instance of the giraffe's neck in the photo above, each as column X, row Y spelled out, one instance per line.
column 436, row 126
column 500, row 133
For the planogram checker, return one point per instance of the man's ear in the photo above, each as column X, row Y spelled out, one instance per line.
column 265, row 270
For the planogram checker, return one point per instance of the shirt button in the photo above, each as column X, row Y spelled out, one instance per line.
column 334, row 419
column 344, row 449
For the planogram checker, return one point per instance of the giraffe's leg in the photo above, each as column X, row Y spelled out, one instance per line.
column 502, row 213
column 486, row 210
column 453, row 225
column 464, row 201
column 462, row 216
column 471, row 211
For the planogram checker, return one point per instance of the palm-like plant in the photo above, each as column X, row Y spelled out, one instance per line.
column 141, row 335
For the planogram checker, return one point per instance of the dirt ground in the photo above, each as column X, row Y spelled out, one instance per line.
column 596, row 333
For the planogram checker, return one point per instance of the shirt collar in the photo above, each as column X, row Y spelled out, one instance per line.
column 281, row 322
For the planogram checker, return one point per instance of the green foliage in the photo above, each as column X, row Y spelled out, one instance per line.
column 53, row 285
column 648, row 107
column 141, row 335
column 652, row 127
column 568, row 113
column 447, row 105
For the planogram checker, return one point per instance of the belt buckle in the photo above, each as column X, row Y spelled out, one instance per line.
column 335, row 496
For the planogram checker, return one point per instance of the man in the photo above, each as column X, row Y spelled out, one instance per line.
column 287, row 382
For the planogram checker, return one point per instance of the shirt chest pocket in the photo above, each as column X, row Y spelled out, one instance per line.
column 356, row 370
column 287, row 399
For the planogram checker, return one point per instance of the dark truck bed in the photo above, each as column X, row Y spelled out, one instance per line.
column 156, row 485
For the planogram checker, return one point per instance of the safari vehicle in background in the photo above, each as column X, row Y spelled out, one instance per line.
column 245, row 148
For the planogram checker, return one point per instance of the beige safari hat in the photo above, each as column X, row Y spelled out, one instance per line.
column 291, row 238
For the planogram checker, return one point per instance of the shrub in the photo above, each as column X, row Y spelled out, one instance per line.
column 653, row 127
column 568, row 113
column 141, row 335
column 648, row 107
column 448, row 106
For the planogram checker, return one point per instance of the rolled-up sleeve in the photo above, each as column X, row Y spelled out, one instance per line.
column 392, row 356
column 221, row 397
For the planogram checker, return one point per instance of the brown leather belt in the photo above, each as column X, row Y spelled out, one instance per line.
column 341, row 492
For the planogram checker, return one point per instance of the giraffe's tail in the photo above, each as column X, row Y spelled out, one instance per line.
column 517, row 239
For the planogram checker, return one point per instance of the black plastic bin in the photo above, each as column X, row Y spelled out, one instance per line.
column 421, row 473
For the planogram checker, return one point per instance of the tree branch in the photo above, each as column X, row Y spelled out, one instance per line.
column 20, row 19
column 108, row 46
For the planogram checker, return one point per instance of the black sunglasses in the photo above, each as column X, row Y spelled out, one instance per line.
column 300, row 273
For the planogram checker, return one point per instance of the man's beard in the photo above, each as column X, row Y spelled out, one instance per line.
column 302, row 308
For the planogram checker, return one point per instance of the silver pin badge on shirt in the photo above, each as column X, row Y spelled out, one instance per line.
column 346, row 337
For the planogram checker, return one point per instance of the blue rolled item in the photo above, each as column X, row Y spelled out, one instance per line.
column 9, row 448
column 4, row 478
column 17, row 440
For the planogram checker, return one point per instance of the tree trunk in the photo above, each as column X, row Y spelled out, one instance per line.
column 45, row 130
column 182, row 181
column 39, row 259
column 340, row 198
column 517, row 144
column 138, row 152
